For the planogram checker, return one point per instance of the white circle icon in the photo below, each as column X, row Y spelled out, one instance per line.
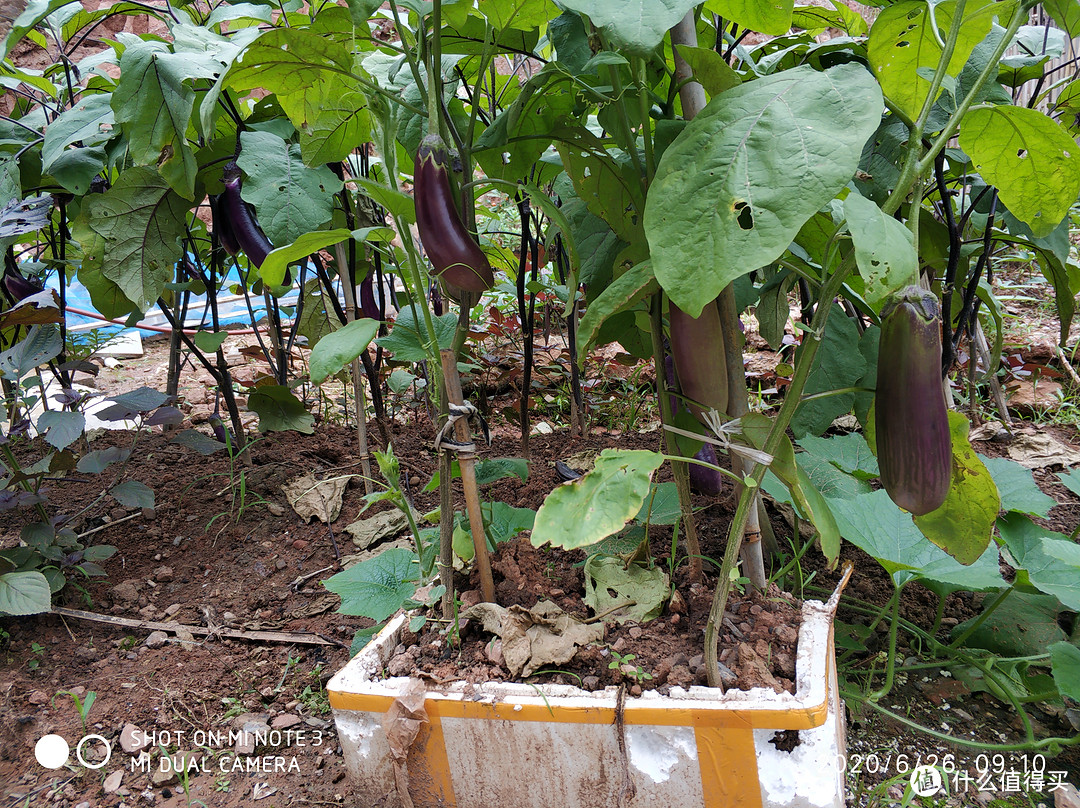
column 103, row 742
column 51, row 751
column 925, row 781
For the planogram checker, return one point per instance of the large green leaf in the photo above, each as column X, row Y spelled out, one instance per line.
column 964, row 523
column 884, row 249
column 63, row 428
column 772, row 17
column 141, row 221
column 378, row 587
column 610, row 189
column 338, row 348
column 838, row 364
column 849, row 453
column 41, row 344
column 273, row 267
column 877, row 526
column 1065, row 13
column 630, row 287
column 1030, row 158
column 735, row 187
column 152, row 103
column 1050, row 561
column 1017, row 487
column 89, row 122
column 633, row 25
column 304, row 70
column 24, row 593
column 343, row 122
column 523, row 15
column 291, row 199
column 710, row 69
column 408, row 339
column 582, row 512
column 904, row 45
column 597, row 244
column 133, row 494
column 280, row 411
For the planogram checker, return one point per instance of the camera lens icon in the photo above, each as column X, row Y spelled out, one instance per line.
column 52, row 751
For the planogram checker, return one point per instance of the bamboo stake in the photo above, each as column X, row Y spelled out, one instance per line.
column 468, row 477
column 358, row 387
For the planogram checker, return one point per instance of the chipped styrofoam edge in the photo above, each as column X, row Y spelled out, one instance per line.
column 362, row 675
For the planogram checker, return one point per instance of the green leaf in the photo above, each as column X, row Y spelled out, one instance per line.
column 98, row 460
column 773, row 17
column 143, row 399
column 1030, row 158
column 1024, row 625
column 280, row 411
column 152, row 103
column 523, row 15
column 596, row 242
column 825, row 477
column 609, row 583
column 209, row 341
column 339, row 348
column 304, row 70
column 203, row 444
column 75, row 168
column 41, row 344
column 632, row 286
column 29, row 16
column 378, row 587
column 292, row 200
column 24, row 593
column 1071, row 480
column 395, row 202
column 498, row 468
column 90, row 122
column 582, row 512
column 817, row 18
column 1017, row 487
column 343, row 122
column 133, row 494
column 661, row 506
column 838, row 364
column 140, row 221
column 884, row 249
column 638, row 25
column 904, row 48
column 277, row 260
column 734, row 189
column 610, row 189
column 503, row 522
column 874, row 524
column 64, row 428
column 849, row 453
column 964, row 523
column 711, row 71
column 1050, row 560
column 408, row 339
column 1065, row 662
column 1065, row 13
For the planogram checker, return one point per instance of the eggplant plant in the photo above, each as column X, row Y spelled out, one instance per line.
column 681, row 178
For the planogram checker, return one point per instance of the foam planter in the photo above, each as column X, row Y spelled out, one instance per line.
column 501, row 745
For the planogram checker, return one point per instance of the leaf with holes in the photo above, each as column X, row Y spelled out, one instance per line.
column 884, row 249
column 1030, row 158
column 734, row 189
column 582, row 512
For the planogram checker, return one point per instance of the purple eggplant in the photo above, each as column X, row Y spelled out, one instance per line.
column 19, row 287
column 245, row 228
column 911, row 422
column 222, row 228
column 703, row 480
column 368, row 305
column 456, row 257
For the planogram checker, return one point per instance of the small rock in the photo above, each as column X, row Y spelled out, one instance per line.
column 677, row 604
column 118, row 514
column 125, row 593
column 163, row 574
column 401, row 665
column 1066, row 796
column 285, row 721
column 470, row 598
column 543, row 428
column 619, row 645
column 156, row 639
column 148, row 513
column 680, row 676
column 590, row 683
column 635, row 690
column 415, row 481
column 267, row 692
column 697, row 661
column 493, row 651
column 275, row 509
column 300, row 544
column 173, row 609
column 112, row 782
column 787, row 634
column 636, row 632
column 133, row 740
column 247, row 738
column 281, row 564
column 38, row 698
column 83, row 804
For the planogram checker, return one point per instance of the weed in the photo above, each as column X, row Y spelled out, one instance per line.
column 83, row 706
column 38, row 651
column 624, row 664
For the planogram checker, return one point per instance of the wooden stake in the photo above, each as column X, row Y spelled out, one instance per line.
column 468, row 477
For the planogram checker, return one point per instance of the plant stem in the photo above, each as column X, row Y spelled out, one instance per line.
column 811, row 343
column 890, row 663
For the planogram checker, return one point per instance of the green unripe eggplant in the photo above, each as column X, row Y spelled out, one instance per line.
column 911, row 422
